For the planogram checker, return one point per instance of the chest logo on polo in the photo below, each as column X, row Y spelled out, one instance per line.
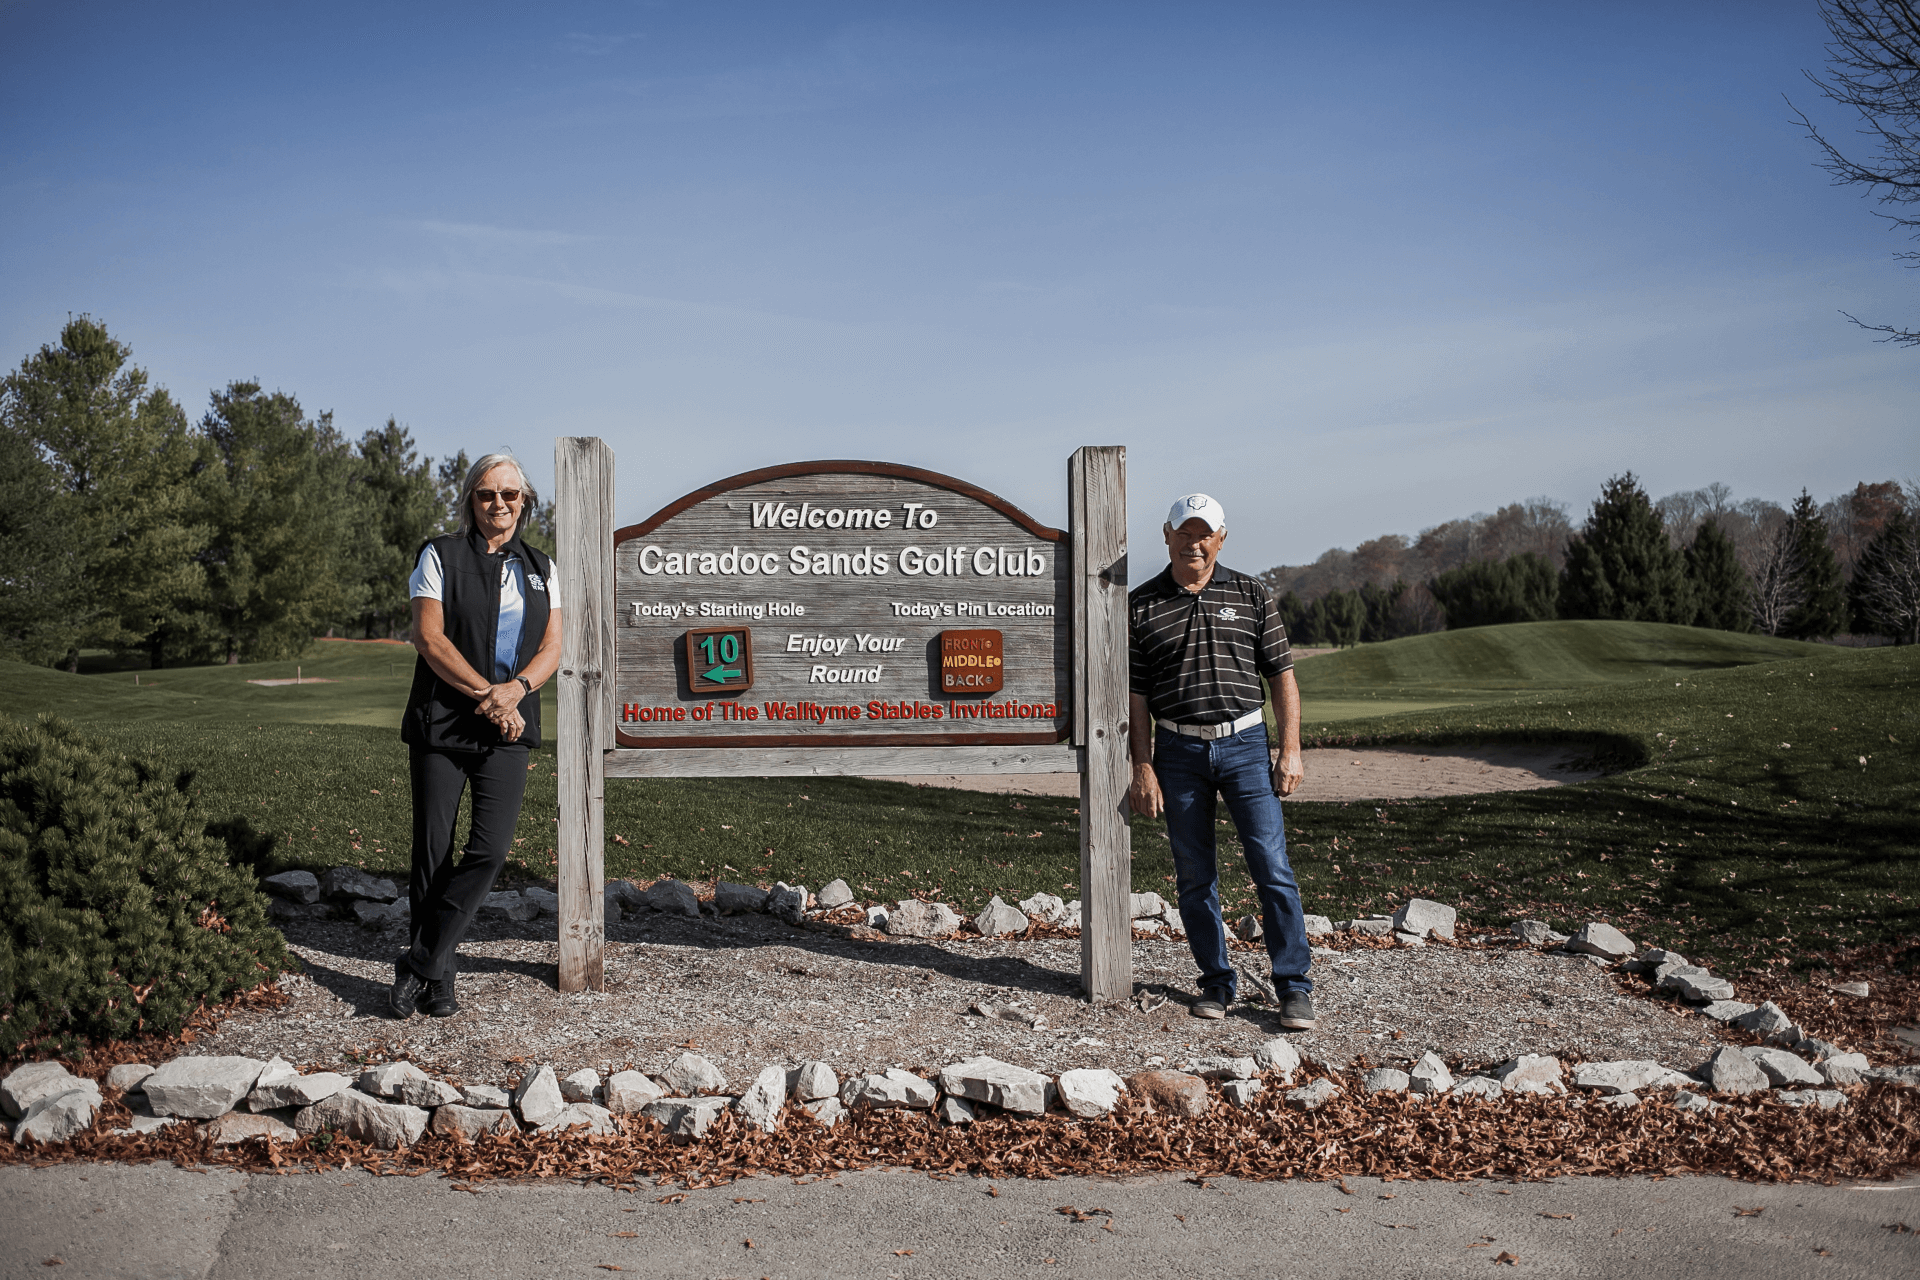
column 533, row 580
column 1229, row 614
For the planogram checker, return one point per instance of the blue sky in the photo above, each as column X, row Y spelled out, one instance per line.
column 1352, row 269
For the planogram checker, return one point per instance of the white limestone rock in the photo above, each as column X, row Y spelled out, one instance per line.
column 761, row 1104
column 427, row 1094
column 1621, row 1101
column 690, row 1075
column 1374, row 927
column 1696, row 985
column 485, row 1097
column 55, row 1118
column 386, row 1125
column 1318, row 926
column 1278, row 1054
column 546, row 899
column 1313, row 1096
column 1727, row 1010
column 1146, row 906
column 384, row 1081
column 126, row 1077
column 581, row 1085
column 1422, row 918
column 630, row 1092
column 1769, row 1019
column 538, row 1098
column 1783, row 1069
column 1731, row 1071
column 989, row 1080
column 1409, row 939
column 1090, row 1092
column 827, row 1111
column 596, row 1120
column 687, row 1119
column 814, row 1080
column 289, row 1089
column 997, row 919
column 1478, row 1087
column 1385, row 1080
column 31, row 1081
column 1250, row 929
column 1858, row 990
column 836, row 893
column 1530, row 1073
column 1429, row 1075
column 891, row 1089
column 1222, row 1068
column 1838, row 1072
column 954, row 1110
column 1627, row 1076
column 1045, row 908
column 913, row 918
column 673, row 898
column 1824, row 1099
column 236, row 1127
column 877, row 918
column 200, row 1088
column 470, row 1124
column 1597, row 939
column 1687, row 1100
column 1537, row 933
column 1241, row 1092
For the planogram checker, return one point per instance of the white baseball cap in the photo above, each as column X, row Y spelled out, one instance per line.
column 1197, row 504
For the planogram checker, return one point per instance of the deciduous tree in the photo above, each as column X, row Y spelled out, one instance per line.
column 1886, row 586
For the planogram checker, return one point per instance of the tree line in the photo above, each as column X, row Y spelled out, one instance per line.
column 1814, row 571
column 127, row 526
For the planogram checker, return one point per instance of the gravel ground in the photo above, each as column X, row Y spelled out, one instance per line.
column 749, row 990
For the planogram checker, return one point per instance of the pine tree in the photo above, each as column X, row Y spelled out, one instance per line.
column 1486, row 593
column 127, row 462
column 1621, row 564
column 42, row 576
column 1721, row 589
column 401, row 508
column 1886, row 583
column 1822, row 608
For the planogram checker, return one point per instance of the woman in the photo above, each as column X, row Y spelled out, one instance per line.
column 487, row 624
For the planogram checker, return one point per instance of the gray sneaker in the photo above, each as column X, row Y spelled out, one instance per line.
column 1212, row 1003
column 1296, row 1011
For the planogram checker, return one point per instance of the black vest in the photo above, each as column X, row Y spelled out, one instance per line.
column 441, row 716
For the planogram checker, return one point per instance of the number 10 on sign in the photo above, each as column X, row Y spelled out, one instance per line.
column 720, row 660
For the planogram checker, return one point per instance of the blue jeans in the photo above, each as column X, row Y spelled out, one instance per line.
column 1191, row 772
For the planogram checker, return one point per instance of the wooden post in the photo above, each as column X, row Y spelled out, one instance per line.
column 583, row 507
column 1097, row 505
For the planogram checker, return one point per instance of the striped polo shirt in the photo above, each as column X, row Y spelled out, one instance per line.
column 1197, row 658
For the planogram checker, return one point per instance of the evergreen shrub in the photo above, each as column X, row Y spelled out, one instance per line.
column 119, row 915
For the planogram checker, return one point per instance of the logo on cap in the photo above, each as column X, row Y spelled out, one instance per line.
column 1197, row 505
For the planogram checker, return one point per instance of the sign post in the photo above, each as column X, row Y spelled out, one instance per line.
column 831, row 618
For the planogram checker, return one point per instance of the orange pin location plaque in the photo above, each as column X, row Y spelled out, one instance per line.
column 971, row 661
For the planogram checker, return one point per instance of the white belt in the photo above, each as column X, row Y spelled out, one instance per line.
column 1210, row 731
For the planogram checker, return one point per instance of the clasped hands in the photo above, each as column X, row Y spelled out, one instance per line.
column 500, row 703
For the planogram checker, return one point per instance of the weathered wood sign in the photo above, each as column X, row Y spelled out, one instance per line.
column 854, row 604
column 843, row 618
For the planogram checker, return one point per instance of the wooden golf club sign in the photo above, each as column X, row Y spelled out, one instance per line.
column 827, row 618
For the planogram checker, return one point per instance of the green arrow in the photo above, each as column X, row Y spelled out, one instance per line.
column 720, row 673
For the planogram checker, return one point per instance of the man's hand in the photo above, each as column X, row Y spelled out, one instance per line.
column 1288, row 770
column 1144, row 794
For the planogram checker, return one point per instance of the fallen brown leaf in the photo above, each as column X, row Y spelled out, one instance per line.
column 675, row 1198
column 1564, row 1217
column 1738, row 1212
column 608, row 1266
column 1504, row 1257
column 749, row 1200
column 1898, row 1228
column 624, row 1235
column 908, row 1253
column 748, row 1242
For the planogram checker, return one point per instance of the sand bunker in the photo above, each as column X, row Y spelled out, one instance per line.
column 1365, row 773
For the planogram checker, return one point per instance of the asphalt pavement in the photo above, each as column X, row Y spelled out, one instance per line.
column 159, row 1221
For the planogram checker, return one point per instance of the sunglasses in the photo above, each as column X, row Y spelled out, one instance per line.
column 505, row 495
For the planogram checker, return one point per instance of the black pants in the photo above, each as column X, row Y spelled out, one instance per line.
column 447, row 896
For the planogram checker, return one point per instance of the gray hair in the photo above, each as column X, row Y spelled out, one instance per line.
column 529, row 499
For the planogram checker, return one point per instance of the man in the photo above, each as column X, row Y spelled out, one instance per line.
column 1202, row 636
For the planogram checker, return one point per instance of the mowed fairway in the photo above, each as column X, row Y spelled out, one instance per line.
column 1765, row 802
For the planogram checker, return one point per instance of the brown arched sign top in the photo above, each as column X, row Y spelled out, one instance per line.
column 841, row 604
column 785, row 470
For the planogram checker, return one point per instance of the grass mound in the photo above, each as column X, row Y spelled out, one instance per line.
column 120, row 914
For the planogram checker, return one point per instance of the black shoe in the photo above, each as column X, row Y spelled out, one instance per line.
column 1212, row 1003
column 440, row 1001
column 407, row 986
column 1296, row 1011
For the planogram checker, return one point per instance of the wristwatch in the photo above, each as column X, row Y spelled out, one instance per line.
column 524, row 684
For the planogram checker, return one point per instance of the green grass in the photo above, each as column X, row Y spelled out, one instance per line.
column 1713, row 837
